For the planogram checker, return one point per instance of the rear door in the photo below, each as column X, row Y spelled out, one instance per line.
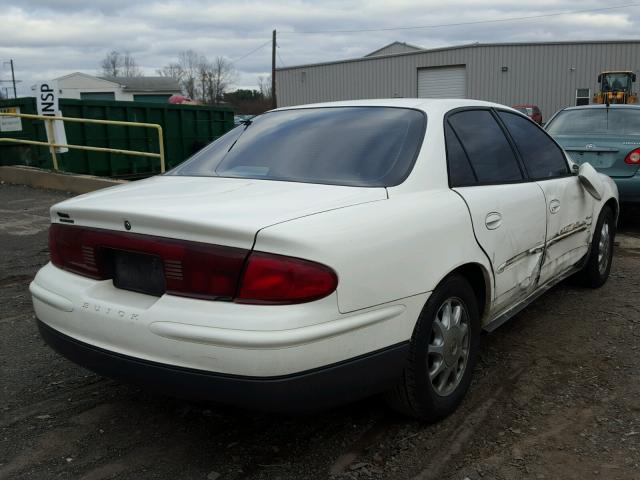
column 507, row 210
column 569, row 206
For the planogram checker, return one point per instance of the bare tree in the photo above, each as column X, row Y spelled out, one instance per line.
column 112, row 64
column 130, row 67
column 200, row 78
column 264, row 85
column 204, row 79
column 116, row 64
column 222, row 75
column 189, row 61
column 172, row 70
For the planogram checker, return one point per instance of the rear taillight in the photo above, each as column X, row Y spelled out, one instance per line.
column 194, row 269
column 633, row 157
column 191, row 269
column 71, row 250
column 277, row 279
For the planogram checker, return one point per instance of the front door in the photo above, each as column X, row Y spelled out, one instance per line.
column 569, row 225
column 508, row 212
column 569, row 208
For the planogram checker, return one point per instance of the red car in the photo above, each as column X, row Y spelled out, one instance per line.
column 531, row 111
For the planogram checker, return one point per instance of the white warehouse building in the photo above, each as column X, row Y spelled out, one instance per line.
column 551, row 75
column 82, row 86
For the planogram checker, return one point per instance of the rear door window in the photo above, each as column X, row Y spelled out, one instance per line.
column 489, row 151
column 541, row 156
column 460, row 171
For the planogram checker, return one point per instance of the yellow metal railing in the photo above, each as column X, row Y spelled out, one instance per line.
column 48, row 121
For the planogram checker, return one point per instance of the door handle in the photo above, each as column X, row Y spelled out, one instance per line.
column 493, row 220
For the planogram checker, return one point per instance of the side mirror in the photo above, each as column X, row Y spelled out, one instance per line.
column 599, row 78
column 590, row 180
column 633, row 77
column 575, row 168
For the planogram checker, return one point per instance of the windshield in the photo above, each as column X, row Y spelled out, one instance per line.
column 526, row 110
column 358, row 146
column 615, row 82
column 588, row 121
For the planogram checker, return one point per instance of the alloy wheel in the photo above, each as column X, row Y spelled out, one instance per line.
column 448, row 350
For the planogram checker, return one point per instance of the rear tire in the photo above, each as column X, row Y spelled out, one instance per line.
column 596, row 271
column 442, row 355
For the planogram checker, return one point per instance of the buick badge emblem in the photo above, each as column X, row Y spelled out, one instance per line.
column 127, row 224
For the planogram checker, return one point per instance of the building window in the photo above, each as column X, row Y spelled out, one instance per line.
column 583, row 96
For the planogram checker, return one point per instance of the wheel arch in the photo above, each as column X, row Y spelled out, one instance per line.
column 480, row 280
column 612, row 203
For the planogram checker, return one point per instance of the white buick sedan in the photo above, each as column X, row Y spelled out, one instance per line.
column 319, row 254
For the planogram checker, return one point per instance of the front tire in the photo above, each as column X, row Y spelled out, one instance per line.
column 596, row 271
column 442, row 355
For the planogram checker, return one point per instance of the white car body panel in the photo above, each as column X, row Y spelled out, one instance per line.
column 389, row 247
column 569, row 224
column 229, row 338
column 223, row 211
column 378, row 271
column 509, row 222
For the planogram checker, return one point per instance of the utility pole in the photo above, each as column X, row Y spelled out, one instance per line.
column 13, row 79
column 274, row 102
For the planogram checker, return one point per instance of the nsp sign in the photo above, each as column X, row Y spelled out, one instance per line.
column 47, row 98
column 47, row 104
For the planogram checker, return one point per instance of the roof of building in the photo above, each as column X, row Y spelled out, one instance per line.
column 146, row 84
column 82, row 74
column 394, row 47
column 371, row 57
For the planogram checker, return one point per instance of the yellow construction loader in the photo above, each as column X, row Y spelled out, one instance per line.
column 616, row 87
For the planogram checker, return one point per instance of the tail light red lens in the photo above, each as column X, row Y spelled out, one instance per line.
column 191, row 269
column 194, row 269
column 633, row 157
column 277, row 279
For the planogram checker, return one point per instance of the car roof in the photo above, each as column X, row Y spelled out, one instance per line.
column 425, row 104
column 596, row 106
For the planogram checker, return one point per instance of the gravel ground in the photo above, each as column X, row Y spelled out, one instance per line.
column 556, row 395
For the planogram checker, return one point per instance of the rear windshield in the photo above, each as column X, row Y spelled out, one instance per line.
column 358, row 146
column 614, row 121
column 526, row 110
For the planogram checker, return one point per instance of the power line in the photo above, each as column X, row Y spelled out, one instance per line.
column 250, row 52
column 477, row 22
column 280, row 57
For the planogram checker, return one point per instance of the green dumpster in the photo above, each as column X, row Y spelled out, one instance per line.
column 186, row 129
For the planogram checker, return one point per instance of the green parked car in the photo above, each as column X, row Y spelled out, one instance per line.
column 606, row 137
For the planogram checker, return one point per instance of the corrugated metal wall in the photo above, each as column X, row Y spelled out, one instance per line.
column 545, row 74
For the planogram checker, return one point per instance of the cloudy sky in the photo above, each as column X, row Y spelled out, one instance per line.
column 50, row 38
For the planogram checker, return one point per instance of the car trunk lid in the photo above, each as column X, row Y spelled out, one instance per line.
column 222, row 211
column 606, row 153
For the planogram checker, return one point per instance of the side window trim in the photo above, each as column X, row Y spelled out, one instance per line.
column 466, row 156
column 515, row 147
column 525, row 175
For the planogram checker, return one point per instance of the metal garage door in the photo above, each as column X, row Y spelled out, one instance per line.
column 442, row 82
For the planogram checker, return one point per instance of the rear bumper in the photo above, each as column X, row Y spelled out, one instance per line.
column 224, row 337
column 301, row 392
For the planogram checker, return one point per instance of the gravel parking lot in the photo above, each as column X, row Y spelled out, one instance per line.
column 556, row 395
